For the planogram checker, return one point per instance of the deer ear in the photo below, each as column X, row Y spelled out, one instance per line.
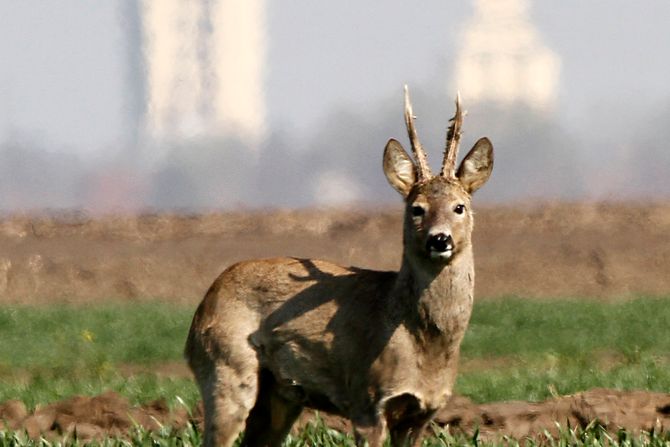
column 476, row 167
column 399, row 168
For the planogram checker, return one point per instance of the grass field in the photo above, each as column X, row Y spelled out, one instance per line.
column 51, row 352
column 317, row 435
column 529, row 349
column 514, row 349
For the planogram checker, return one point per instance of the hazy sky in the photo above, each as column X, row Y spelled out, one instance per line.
column 65, row 78
column 63, row 64
column 61, row 75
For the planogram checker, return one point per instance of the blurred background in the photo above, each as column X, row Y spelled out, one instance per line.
column 222, row 104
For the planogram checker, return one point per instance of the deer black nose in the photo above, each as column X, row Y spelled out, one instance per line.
column 440, row 243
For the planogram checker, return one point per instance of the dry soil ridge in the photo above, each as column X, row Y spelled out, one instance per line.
column 553, row 250
column 110, row 414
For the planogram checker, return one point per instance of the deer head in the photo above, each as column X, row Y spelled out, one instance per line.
column 438, row 218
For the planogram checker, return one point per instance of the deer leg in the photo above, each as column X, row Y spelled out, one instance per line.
column 406, row 420
column 407, row 432
column 228, row 395
column 375, row 435
column 272, row 417
column 407, row 435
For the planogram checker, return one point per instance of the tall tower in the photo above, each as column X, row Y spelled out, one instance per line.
column 503, row 59
column 204, row 69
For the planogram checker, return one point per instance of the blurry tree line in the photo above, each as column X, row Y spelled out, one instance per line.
column 340, row 161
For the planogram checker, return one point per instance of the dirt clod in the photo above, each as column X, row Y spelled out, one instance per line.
column 110, row 414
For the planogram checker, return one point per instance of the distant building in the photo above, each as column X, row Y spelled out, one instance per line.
column 502, row 58
column 203, row 65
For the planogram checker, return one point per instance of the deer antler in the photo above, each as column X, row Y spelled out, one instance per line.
column 453, row 141
column 423, row 171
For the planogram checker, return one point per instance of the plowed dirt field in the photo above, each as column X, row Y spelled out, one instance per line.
column 111, row 415
column 557, row 250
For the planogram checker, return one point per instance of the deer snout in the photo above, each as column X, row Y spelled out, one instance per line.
column 440, row 244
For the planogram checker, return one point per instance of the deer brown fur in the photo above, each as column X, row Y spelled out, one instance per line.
column 379, row 348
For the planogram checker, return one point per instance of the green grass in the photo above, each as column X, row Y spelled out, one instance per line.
column 522, row 349
column 319, row 435
column 538, row 348
column 70, row 337
column 40, row 388
column 48, row 353
column 575, row 327
column 540, row 380
column 166, row 437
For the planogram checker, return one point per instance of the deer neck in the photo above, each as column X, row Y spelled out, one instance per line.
column 439, row 299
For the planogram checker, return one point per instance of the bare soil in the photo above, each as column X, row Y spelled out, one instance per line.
column 552, row 250
column 632, row 410
column 111, row 415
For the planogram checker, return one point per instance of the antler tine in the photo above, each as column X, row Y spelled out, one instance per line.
column 423, row 171
column 453, row 141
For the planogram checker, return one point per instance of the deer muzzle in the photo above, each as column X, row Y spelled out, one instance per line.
column 440, row 246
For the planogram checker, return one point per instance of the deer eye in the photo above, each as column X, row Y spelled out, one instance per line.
column 459, row 209
column 418, row 211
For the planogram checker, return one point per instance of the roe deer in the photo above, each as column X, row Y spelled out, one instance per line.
column 379, row 348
